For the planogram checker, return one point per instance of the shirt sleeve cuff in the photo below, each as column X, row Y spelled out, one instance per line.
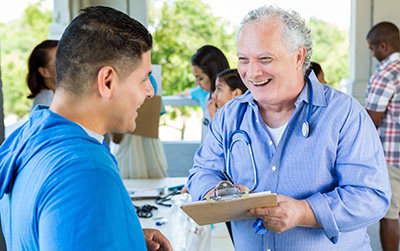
column 324, row 216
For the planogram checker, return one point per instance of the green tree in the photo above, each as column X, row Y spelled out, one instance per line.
column 179, row 28
column 331, row 50
column 18, row 38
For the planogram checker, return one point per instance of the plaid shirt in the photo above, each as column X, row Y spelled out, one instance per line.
column 383, row 95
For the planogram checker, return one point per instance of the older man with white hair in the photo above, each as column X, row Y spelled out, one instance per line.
column 314, row 146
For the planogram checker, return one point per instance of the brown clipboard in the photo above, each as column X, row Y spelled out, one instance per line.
column 148, row 119
column 204, row 213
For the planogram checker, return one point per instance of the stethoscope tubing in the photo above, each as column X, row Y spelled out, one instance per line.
column 305, row 132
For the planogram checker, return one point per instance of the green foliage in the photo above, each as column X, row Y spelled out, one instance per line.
column 18, row 38
column 330, row 50
column 179, row 28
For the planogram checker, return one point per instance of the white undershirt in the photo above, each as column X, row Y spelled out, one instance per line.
column 276, row 133
column 93, row 134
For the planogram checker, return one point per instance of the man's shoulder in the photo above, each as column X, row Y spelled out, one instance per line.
column 63, row 149
column 84, row 152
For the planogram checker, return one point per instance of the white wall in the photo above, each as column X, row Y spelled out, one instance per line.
column 65, row 10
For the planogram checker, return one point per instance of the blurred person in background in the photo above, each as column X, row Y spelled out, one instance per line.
column 207, row 62
column 228, row 85
column 317, row 69
column 382, row 104
column 41, row 77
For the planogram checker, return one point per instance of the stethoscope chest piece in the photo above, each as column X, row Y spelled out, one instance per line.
column 305, row 129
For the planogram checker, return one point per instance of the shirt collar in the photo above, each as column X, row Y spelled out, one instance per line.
column 395, row 56
column 318, row 94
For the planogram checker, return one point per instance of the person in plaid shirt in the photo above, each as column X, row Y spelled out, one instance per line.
column 383, row 105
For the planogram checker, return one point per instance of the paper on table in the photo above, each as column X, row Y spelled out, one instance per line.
column 144, row 193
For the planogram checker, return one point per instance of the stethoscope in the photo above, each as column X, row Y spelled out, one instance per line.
column 305, row 131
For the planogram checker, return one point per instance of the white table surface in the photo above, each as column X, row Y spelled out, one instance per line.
column 175, row 232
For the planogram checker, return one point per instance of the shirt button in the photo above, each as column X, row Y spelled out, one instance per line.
column 268, row 249
column 274, row 168
column 270, row 142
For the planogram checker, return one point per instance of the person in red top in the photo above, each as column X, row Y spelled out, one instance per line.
column 383, row 106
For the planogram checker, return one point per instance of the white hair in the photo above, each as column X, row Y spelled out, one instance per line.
column 295, row 33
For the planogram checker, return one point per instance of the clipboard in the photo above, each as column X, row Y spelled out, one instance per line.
column 210, row 212
column 148, row 119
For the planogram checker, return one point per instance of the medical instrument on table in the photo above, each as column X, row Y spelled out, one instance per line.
column 305, row 130
column 165, row 200
column 160, row 221
column 145, row 211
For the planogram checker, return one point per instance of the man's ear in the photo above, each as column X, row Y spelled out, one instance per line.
column 300, row 56
column 107, row 79
column 383, row 46
column 44, row 72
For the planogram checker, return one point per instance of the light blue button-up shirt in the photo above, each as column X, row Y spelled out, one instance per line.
column 339, row 169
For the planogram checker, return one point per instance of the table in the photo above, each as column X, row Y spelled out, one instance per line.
column 176, row 227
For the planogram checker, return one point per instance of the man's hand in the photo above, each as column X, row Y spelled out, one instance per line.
column 288, row 214
column 155, row 240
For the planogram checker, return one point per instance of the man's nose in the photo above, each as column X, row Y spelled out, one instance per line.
column 254, row 70
column 149, row 89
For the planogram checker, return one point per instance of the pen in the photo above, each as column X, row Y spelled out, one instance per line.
column 227, row 176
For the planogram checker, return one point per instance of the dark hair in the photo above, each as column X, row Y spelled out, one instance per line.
column 211, row 61
column 97, row 37
column 39, row 58
column 232, row 79
column 314, row 67
column 384, row 31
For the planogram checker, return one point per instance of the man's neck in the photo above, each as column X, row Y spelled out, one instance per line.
column 79, row 110
column 276, row 115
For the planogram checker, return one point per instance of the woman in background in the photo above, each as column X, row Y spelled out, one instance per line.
column 207, row 62
column 41, row 77
column 317, row 69
column 228, row 85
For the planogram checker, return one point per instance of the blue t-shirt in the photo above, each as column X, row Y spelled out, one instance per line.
column 61, row 190
column 199, row 94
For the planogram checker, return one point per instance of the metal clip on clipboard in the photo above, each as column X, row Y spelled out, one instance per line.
column 226, row 191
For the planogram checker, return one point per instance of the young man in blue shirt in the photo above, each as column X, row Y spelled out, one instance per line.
column 60, row 185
